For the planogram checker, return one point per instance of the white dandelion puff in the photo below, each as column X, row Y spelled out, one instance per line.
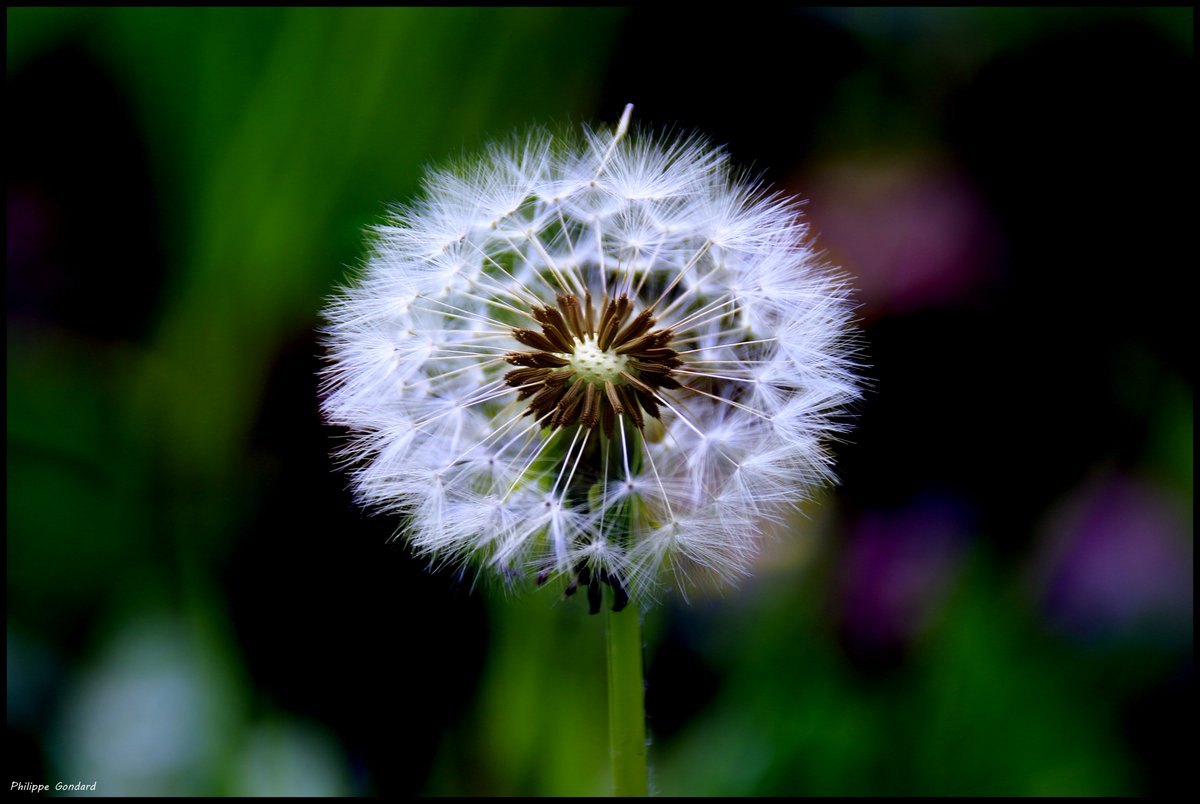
column 604, row 358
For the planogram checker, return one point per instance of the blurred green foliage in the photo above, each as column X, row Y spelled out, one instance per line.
column 274, row 136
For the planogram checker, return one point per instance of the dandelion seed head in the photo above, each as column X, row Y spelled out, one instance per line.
column 607, row 358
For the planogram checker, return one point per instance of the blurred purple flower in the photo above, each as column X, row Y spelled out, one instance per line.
column 897, row 569
column 1117, row 563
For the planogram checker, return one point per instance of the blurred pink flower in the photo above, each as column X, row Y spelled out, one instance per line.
column 913, row 231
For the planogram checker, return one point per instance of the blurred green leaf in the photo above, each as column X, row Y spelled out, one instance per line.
column 77, row 520
column 985, row 706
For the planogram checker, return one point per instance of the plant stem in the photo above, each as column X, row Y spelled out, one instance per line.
column 626, row 701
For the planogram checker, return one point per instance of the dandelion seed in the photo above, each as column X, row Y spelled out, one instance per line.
column 605, row 359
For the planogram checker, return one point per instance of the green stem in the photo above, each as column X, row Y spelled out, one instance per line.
column 626, row 704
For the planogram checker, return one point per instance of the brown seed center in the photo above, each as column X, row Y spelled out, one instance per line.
column 588, row 369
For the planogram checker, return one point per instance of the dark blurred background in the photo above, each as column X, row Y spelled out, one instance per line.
column 996, row 600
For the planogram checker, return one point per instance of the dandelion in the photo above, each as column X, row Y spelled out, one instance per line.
column 608, row 360
column 605, row 361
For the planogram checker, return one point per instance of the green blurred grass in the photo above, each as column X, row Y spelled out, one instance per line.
column 274, row 136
